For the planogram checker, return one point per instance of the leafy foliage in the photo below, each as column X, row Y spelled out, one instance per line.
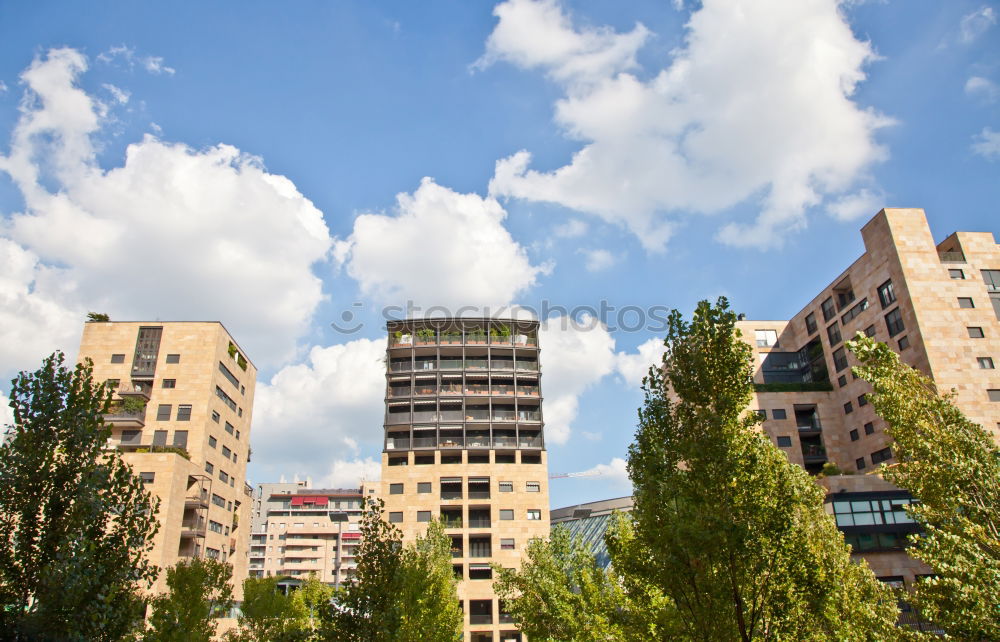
column 562, row 594
column 952, row 466
column 199, row 588
column 268, row 615
column 97, row 317
column 75, row 522
column 724, row 525
column 398, row 593
column 311, row 598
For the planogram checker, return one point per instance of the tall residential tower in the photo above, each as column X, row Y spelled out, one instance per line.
column 464, row 442
column 181, row 417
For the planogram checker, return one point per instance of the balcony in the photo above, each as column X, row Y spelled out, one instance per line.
column 504, row 415
column 483, row 522
column 529, row 416
column 527, row 366
column 396, row 443
column 530, row 442
column 136, row 390
column 951, row 257
column 476, row 338
column 813, row 453
column 425, row 364
column 122, row 418
column 424, row 442
column 452, row 415
column 424, row 391
column 477, row 414
column 477, row 441
column 505, row 441
column 451, row 442
column 502, row 364
column 193, row 528
column 527, row 391
column 424, row 415
column 525, row 340
column 451, row 364
column 400, row 365
column 448, row 388
column 476, row 364
column 809, row 425
column 399, row 391
column 477, row 389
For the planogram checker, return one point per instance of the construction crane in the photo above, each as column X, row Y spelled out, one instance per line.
column 586, row 473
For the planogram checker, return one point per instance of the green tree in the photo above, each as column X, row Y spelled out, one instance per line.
column 75, row 521
column 97, row 317
column 311, row 598
column 397, row 593
column 430, row 609
column 727, row 528
column 562, row 594
column 268, row 615
column 952, row 466
column 199, row 590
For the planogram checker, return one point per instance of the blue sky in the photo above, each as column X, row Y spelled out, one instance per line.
column 275, row 165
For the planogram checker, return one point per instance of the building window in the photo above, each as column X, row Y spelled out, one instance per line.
column 986, row 363
column 506, row 487
column 147, row 478
column 994, row 395
column 840, row 358
column 396, row 517
column 894, row 322
column 903, row 343
column 811, row 323
column 230, row 377
column 117, row 358
column 395, row 489
column 534, row 514
column 423, row 487
column 229, row 428
column 209, row 468
column 184, row 412
column 507, row 514
column 173, row 358
column 956, row 274
column 423, row 516
column 215, row 416
column 533, row 487
column 860, row 463
column 854, row 435
column 223, row 477
column 762, row 414
column 218, row 501
column 480, row 572
column 784, row 442
column 506, row 543
column 226, row 399
column 881, row 455
column 992, row 280
column 214, row 526
column 869, row 428
column 842, row 380
column 870, row 331
column 965, row 302
column 886, row 294
column 212, row 441
column 226, row 452
column 833, row 332
column 163, row 412
column 862, row 401
column 169, row 383
column 766, row 338
column 848, row 408
column 828, row 309
column 975, row 333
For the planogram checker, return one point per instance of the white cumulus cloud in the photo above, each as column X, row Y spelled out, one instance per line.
column 440, row 248
column 321, row 411
column 172, row 233
column 575, row 356
column 598, row 260
column 615, row 472
column 756, row 107
column 350, row 473
column 976, row 24
column 982, row 88
column 634, row 366
column 987, row 144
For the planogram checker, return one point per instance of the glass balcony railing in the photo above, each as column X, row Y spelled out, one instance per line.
column 451, row 339
column 425, row 415
column 477, row 415
column 476, row 364
column 424, row 442
column 502, row 364
column 476, row 441
column 479, row 522
column 400, row 366
column 399, row 392
column 813, row 451
column 475, row 338
column 424, row 391
column 500, row 340
column 477, row 389
column 451, row 389
column 504, row 415
column 527, row 366
column 529, row 415
column 530, row 442
column 395, row 443
column 503, row 389
column 527, row 391
column 398, row 417
column 524, row 340
column 505, row 442
column 479, row 494
column 451, row 364
column 451, row 442
column 425, row 364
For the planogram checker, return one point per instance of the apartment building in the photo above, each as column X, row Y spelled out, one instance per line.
column 464, row 442
column 938, row 306
column 181, row 418
column 298, row 531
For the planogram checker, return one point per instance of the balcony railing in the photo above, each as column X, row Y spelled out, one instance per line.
column 807, row 425
column 126, row 418
column 451, row 364
column 530, row 442
column 394, row 443
column 503, row 389
column 425, row 365
column 810, row 451
column 454, row 522
column 451, row 388
column 477, row 389
column 505, row 442
column 424, row 442
column 477, row 364
column 504, row 415
column 951, row 257
column 481, row 619
column 479, row 494
column 477, row 415
column 399, row 392
column 475, row 338
column 425, row 415
column 524, row 340
column 502, row 364
column 400, row 366
column 452, row 415
column 423, row 391
column 479, row 523
column 398, row 418
column 527, row 366
column 527, row 391
column 451, row 494
column 529, row 415
column 477, row 442
column 451, row 442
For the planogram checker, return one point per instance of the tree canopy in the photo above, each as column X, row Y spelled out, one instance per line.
column 724, row 525
column 76, row 523
column 952, row 466
column 199, row 590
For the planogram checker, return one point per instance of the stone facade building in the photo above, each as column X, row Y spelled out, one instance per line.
column 464, row 442
column 181, row 418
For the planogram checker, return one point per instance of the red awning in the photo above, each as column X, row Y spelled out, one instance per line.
column 312, row 500
column 297, row 501
column 352, row 535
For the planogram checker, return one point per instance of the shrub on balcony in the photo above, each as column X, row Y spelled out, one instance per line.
column 804, row 386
